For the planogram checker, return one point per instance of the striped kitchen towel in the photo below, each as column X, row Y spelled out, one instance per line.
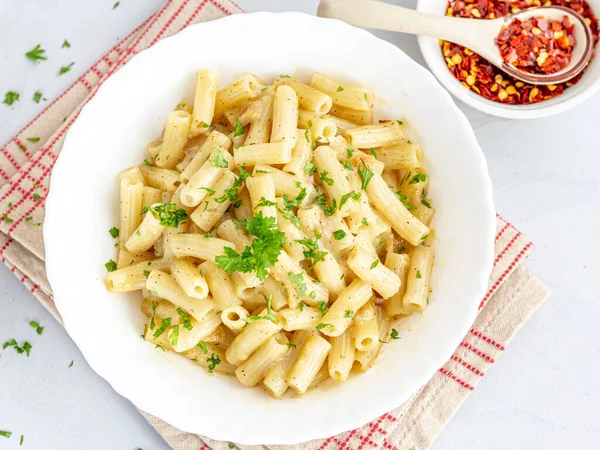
column 25, row 167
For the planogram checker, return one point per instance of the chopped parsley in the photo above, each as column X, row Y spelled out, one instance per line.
column 71, row 365
column 380, row 243
column 404, row 199
column 365, row 96
column 349, row 153
column 186, row 319
column 116, row 4
column 298, row 280
column 111, row 266
column 65, row 69
column 325, row 179
column 365, row 222
column 202, row 346
column 323, row 325
column 294, row 203
column 37, row 96
column 37, row 196
column 239, row 128
column 167, row 214
column 424, row 201
column 21, row 440
column 7, row 219
column 243, row 173
column 365, row 175
column 374, row 264
column 213, row 361
column 349, row 314
column 350, row 195
column 146, row 273
column 10, row 97
column 419, row 274
column 33, row 139
column 5, row 434
column 372, row 150
column 400, row 122
column 38, row 329
column 26, row 348
column 152, row 323
column 211, row 192
column 310, row 168
column 312, row 254
column 36, row 54
column 230, row 194
column 174, row 336
column 340, row 89
column 394, row 334
column 418, row 178
column 270, row 316
column 219, row 160
column 290, row 345
column 322, row 306
column 163, row 327
column 261, row 254
column 405, row 177
column 339, row 235
column 148, row 163
column 321, row 202
column 301, row 305
column 66, row 44
column 114, row 232
column 264, row 203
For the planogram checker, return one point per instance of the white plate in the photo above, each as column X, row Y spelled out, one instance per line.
column 130, row 110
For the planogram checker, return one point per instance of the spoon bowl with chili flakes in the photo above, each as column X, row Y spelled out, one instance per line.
column 542, row 45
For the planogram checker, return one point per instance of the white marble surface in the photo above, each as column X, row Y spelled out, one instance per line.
column 544, row 392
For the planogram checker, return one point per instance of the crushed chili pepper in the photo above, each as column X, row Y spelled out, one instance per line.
column 482, row 77
column 537, row 45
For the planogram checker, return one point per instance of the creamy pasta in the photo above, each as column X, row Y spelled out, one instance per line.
column 276, row 232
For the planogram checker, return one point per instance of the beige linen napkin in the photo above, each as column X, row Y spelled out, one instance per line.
column 25, row 167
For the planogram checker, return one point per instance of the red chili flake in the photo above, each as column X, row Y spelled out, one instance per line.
column 530, row 49
column 487, row 80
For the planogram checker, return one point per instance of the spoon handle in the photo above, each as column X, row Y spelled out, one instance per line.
column 383, row 16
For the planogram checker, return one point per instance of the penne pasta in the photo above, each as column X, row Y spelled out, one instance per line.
column 258, row 225
column 355, row 97
column 176, row 134
column 207, row 83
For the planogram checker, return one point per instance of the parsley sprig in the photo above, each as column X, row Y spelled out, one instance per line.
column 261, row 254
